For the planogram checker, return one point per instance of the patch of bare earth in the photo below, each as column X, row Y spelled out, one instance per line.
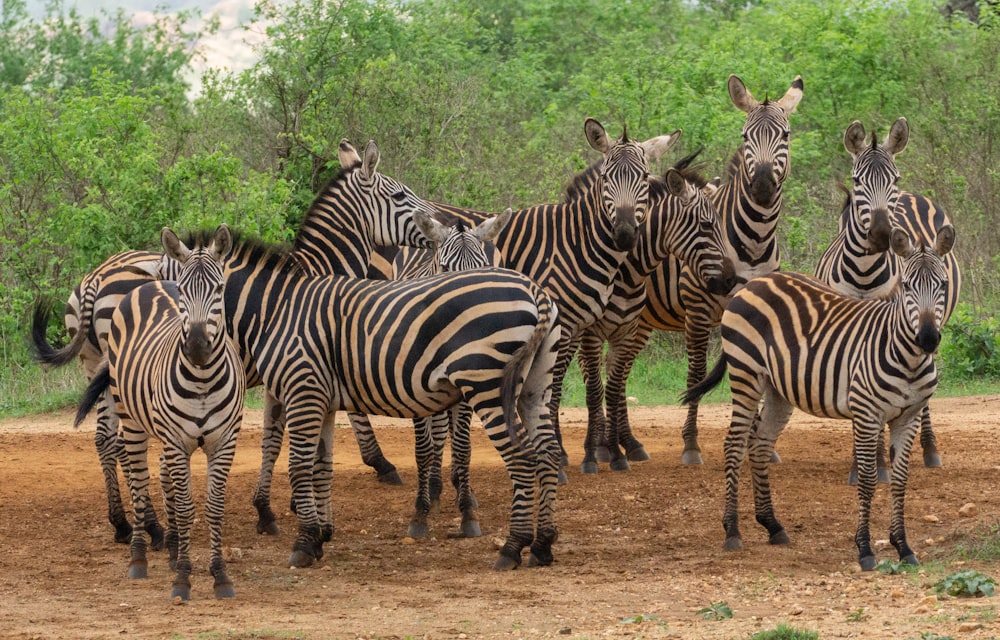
column 639, row 553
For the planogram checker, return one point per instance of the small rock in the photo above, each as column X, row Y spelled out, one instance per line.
column 498, row 543
column 929, row 542
column 632, row 399
column 796, row 610
column 408, row 540
column 897, row 593
column 565, row 631
column 966, row 627
column 969, row 510
column 232, row 554
column 929, row 601
column 178, row 600
column 922, row 609
column 931, row 518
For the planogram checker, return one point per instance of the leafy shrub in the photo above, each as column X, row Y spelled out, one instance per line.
column 970, row 584
column 716, row 611
column 785, row 632
column 971, row 345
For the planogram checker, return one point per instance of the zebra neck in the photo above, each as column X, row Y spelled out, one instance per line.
column 749, row 228
column 861, row 274
column 335, row 235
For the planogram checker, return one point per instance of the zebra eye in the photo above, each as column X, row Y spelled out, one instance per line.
column 706, row 225
column 399, row 196
column 785, row 135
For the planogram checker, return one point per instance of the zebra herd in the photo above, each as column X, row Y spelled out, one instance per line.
column 389, row 304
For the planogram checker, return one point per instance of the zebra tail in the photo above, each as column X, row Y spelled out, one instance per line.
column 95, row 391
column 512, row 371
column 694, row 394
column 43, row 352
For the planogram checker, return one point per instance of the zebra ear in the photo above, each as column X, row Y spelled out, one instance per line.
column 712, row 186
column 370, row 163
column 596, row 135
column 901, row 243
column 945, row 240
column 656, row 147
column 739, row 95
column 490, row 229
column 172, row 246
column 792, row 97
column 347, row 154
column 222, row 242
column 854, row 138
column 899, row 134
column 431, row 228
column 677, row 185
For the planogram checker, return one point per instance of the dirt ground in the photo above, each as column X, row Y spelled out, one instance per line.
column 639, row 553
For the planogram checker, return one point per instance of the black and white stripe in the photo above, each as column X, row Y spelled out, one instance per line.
column 175, row 375
column 791, row 341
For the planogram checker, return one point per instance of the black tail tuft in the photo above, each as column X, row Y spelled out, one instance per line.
column 712, row 380
column 95, row 390
column 43, row 352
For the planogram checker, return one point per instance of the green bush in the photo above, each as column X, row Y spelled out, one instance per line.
column 970, row 347
column 785, row 632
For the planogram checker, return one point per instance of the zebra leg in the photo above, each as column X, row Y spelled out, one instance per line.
column 371, row 452
column 438, row 426
column 304, row 425
column 177, row 465
column 270, row 447
column 533, row 407
column 459, row 425
column 928, row 441
column 901, row 435
column 110, row 453
column 621, row 355
column 135, row 443
column 169, row 508
column 590, row 359
column 323, row 479
column 866, row 429
column 697, row 329
column 768, row 425
column 880, row 462
column 567, row 347
column 422, row 431
column 746, row 396
column 220, row 461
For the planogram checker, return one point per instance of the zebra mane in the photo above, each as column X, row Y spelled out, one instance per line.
column 200, row 237
column 313, row 209
column 271, row 256
column 582, row 182
column 691, row 171
column 461, row 226
column 874, row 141
column 734, row 164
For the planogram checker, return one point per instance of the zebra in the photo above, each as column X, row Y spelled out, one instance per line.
column 358, row 210
column 457, row 247
column 749, row 203
column 682, row 222
column 175, row 375
column 403, row 348
column 574, row 248
column 859, row 263
column 793, row 341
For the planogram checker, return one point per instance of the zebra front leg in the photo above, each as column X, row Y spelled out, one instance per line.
column 697, row 329
column 134, row 441
column 459, row 424
column 304, row 426
column 901, row 436
column 270, row 447
column 928, row 441
column 169, row 504
column 880, row 463
column 768, row 424
column 622, row 351
column 745, row 399
column 590, row 359
column 866, row 429
column 220, row 461
column 371, row 452
column 111, row 453
column 423, row 435
column 177, row 465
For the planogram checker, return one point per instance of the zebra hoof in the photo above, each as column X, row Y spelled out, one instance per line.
column 775, row 458
column 269, row 528
column 418, row 530
column 123, row 532
column 588, row 467
column 535, row 561
column 638, row 454
column 137, row 570
column 691, row 456
column 391, row 477
column 300, row 560
column 184, row 593
column 852, row 478
column 224, row 590
column 156, row 536
column 562, row 477
column 867, row 563
column 620, row 464
column 470, row 529
column 733, row 544
column 883, row 476
column 602, row 453
column 911, row 560
column 505, row 563
column 780, row 537
column 932, row 459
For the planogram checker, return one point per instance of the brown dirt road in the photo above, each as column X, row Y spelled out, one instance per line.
column 639, row 553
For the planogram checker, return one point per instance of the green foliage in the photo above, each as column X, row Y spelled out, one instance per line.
column 858, row 615
column 785, row 632
column 971, row 345
column 930, row 635
column 638, row 619
column 715, row 611
column 894, row 567
column 971, row 584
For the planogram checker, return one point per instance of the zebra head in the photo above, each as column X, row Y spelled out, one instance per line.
column 200, row 291
column 695, row 231
column 764, row 154
column 874, row 185
column 624, row 175
column 387, row 204
column 459, row 248
column 923, row 284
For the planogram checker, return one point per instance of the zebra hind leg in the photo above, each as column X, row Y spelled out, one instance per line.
column 270, row 447
column 425, row 445
column 767, row 426
column 928, row 441
column 371, row 452
column 112, row 455
column 459, row 424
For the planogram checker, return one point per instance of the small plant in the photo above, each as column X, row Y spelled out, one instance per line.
column 930, row 635
column 894, row 567
column 858, row 615
column 785, row 632
column 969, row 584
column 639, row 619
column 715, row 611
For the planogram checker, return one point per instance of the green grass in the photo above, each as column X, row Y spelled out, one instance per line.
column 785, row 632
